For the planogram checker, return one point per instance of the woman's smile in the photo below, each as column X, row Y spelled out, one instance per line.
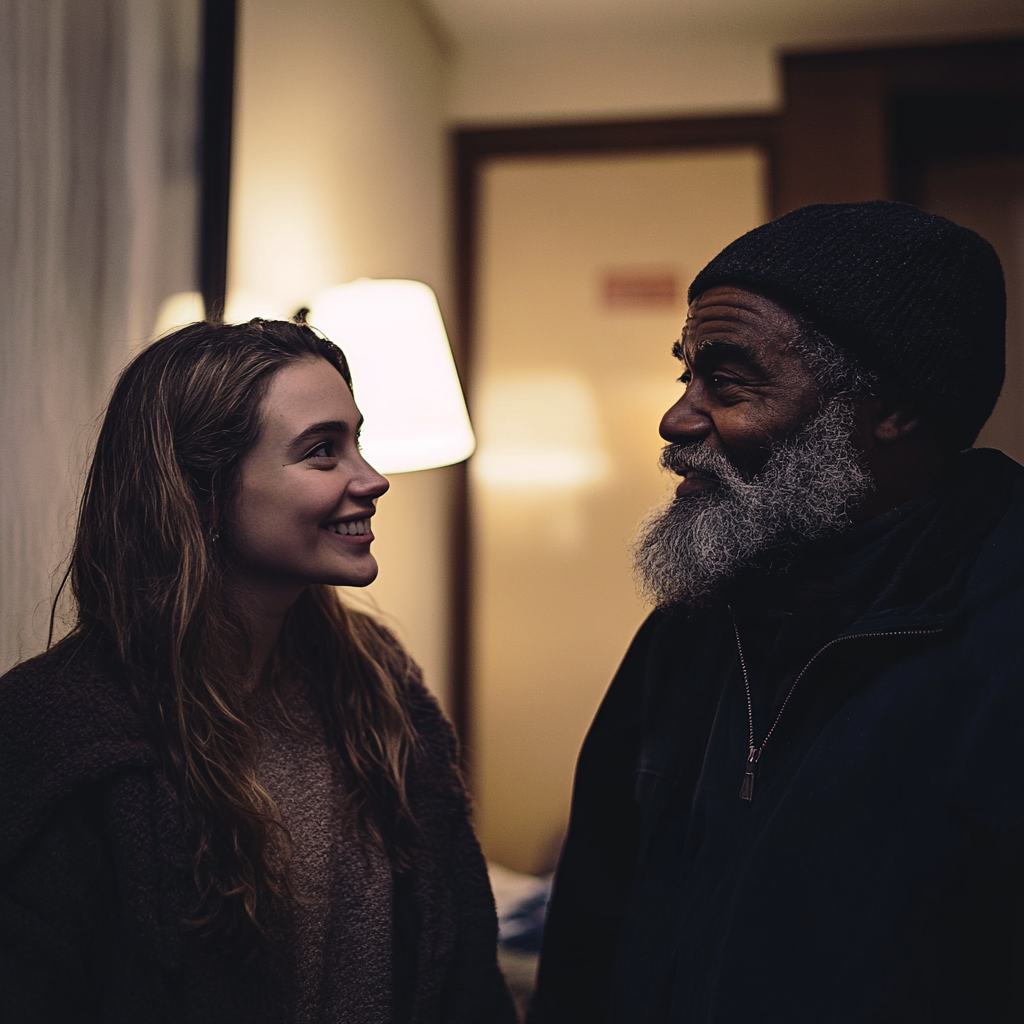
column 355, row 529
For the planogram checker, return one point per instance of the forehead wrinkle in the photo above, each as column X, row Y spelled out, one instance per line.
column 723, row 315
column 741, row 307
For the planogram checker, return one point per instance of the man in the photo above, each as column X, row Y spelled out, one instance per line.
column 800, row 801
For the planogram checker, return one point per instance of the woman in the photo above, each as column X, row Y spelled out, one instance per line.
column 226, row 796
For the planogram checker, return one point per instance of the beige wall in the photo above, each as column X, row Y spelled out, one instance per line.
column 552, row 63
column 339, row 172
column 626, row 74
column 555, row 606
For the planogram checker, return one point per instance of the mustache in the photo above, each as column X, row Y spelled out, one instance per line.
column 681, row 458
column 689, row 548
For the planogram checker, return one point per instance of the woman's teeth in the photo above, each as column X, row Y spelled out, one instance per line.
column 357, row 526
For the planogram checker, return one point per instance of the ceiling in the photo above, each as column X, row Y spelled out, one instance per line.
column 469, row 22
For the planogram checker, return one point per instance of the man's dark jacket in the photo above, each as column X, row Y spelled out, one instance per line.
column 95, row 873
column 878, row 872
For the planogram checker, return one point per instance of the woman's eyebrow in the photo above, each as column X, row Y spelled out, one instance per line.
column 325, row 427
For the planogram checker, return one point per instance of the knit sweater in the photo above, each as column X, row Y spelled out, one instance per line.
column 95, row 877
column 343, row 880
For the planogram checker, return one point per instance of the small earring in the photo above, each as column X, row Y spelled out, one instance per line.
column 214, row 536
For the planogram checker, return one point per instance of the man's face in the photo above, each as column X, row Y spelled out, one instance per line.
column 768, row 460
column 746, row 385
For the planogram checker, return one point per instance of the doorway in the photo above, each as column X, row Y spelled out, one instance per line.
column 583, row 267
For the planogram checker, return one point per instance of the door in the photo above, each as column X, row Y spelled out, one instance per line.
column 584, row 265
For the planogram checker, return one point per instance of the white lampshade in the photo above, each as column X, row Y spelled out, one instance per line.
column 403, row 374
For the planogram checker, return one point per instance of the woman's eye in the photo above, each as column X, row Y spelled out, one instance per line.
column 324, row 450
column 685, row 377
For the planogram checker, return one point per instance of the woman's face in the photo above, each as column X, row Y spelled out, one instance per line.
column 306, row 494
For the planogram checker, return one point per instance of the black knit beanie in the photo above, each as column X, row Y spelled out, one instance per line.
column 910, row 295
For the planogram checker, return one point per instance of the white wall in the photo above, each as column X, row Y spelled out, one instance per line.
column 340, row 172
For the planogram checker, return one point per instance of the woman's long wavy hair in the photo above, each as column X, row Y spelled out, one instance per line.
column 150, row 570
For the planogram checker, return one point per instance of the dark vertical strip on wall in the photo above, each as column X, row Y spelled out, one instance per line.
column 219, row 31
column 461, row 703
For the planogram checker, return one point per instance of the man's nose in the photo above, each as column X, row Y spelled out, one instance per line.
column 685, row 422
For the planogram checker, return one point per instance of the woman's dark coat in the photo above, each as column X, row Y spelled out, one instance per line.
column 95, row 874
column 878, row 873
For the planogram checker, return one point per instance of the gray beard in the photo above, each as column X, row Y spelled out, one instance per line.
column 813, row 482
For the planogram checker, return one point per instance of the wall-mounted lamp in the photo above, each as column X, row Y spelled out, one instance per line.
column 404, row 376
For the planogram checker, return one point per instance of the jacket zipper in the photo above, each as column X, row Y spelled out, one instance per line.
column 754, row 754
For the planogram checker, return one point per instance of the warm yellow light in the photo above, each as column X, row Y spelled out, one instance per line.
column 539, row 431
column 178, row 310
column 403, row 373
column 245, row 304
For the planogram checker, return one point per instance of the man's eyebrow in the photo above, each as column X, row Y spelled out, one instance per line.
column 719, row 349
column 325, row 427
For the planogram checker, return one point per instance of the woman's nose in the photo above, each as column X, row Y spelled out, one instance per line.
column 369, row 483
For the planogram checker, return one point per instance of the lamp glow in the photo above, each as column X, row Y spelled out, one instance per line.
column 178, row 310
column 539, row 432
column 403, row 374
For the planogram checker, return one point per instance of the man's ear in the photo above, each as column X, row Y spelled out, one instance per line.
column 902, row 449
column 897, row 424
column 888, row 418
